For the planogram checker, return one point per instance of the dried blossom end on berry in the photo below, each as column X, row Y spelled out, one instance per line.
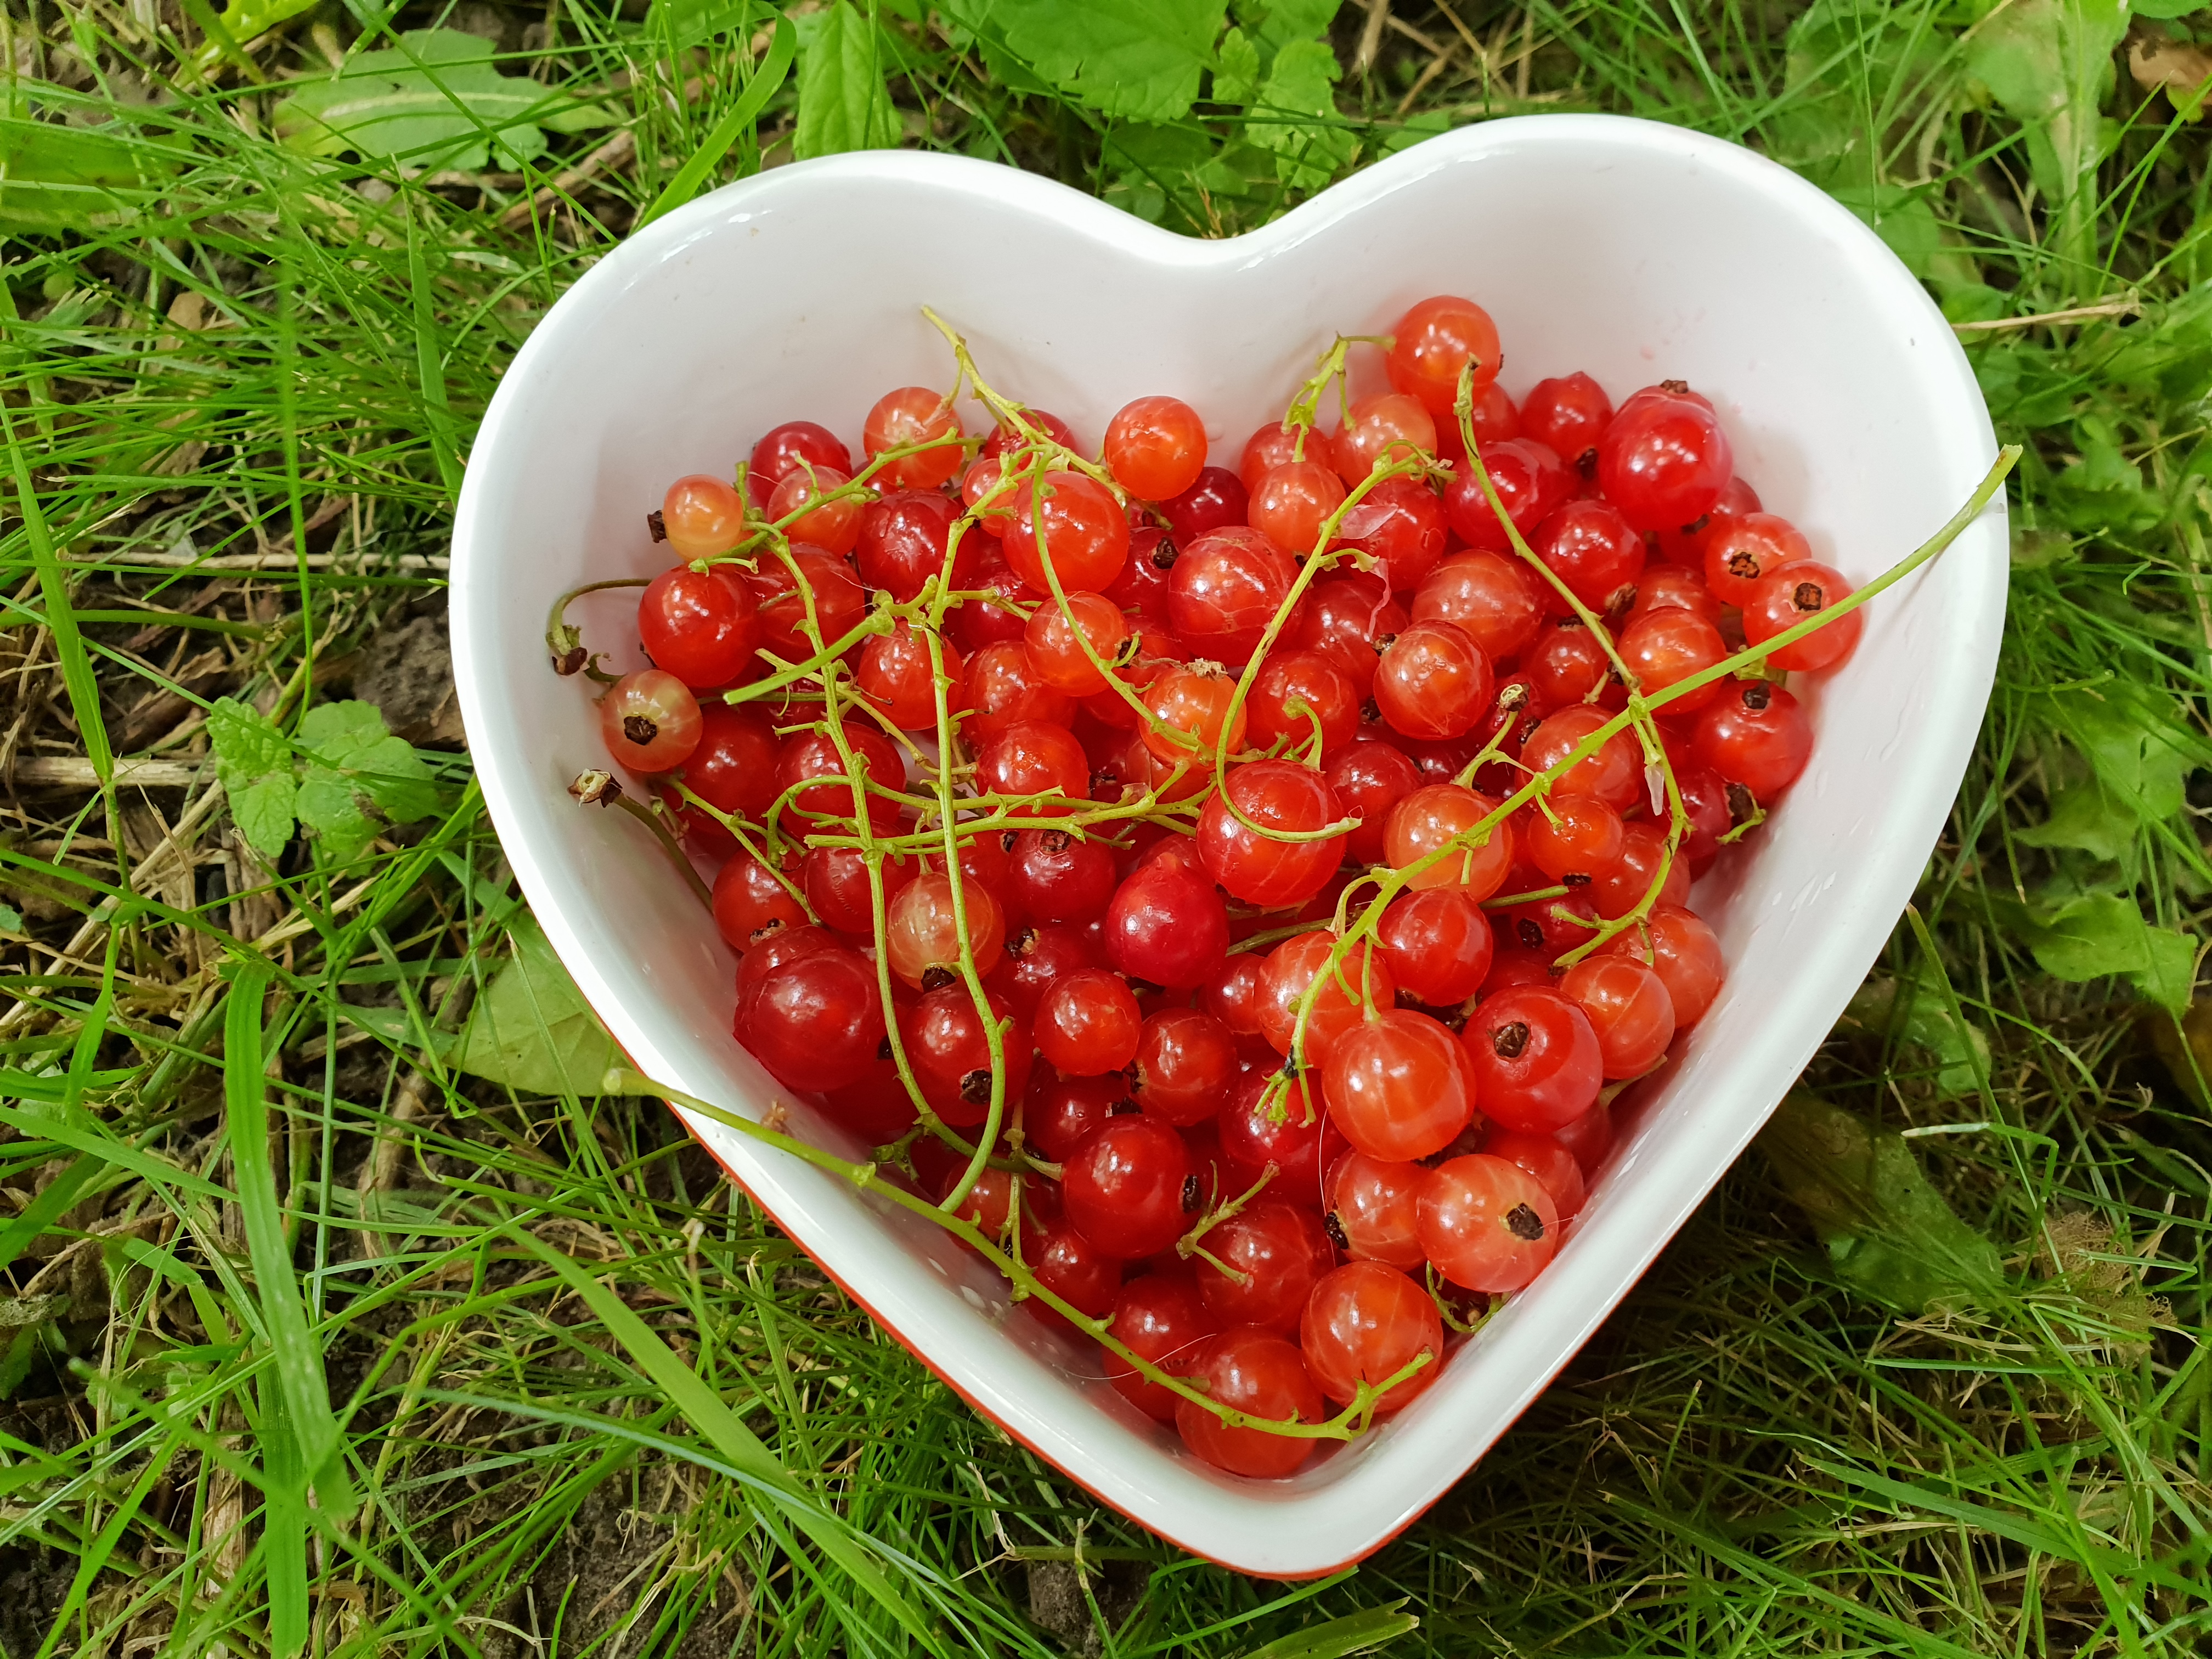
column 596, row 789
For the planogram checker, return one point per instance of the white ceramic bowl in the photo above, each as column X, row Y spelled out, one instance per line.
column 1632, row 251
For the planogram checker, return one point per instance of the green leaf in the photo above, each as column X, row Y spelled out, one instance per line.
column 1889, row 1233
column 842, row 101
column 2105, row 937
column 2049, row 64
column 2139, row 755
column 1237, row 73
column 2167, row 11
column 349, row 739
column 435, row 101
column 1138, row 59
column 254, row 762
column 328, row 804
column 264, row 811
column 11, row 918
column 55, row 178
column 2084, row 818
column 1295, row 116
column 532, row 1029
column 1915, row 1012
column 1332, row 1638
column 1902, row 218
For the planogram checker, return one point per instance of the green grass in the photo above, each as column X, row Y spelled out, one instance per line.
column 642, row 1421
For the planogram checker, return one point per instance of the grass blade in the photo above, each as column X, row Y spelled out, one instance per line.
column 742, row 114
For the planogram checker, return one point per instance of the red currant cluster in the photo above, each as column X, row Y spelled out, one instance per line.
column 1236, row 895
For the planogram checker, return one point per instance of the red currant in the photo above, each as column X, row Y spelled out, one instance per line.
column 1088, row 1024
column 813, row 1017
column 1433, row 682
column 1675, row 944
column 1664, row 460
column 1380, row 431
column 702, row 517
column 1086, row 535
column 650, row 720
column 1277, row 795
column 1795, row 593
column 1492, row 596
column 794, row 447
column 1486, row 1223
column 1434, row 344
column 1568, row 417
column 1265, row 1377
column 1156, row 448
column 1397, row 1086
column 1437, row 943
column 1372, row 1206
column 914, row 415
column 1741, row 552
column 1166, row 926
column 1126, row 1186
column 750, row 901
column 922, row 939
column 895, row 676
column 1186, row 1060
column 1366, row 1322
column 1279, row 1249
column 1591, row 547
column 797, row 504
column 1755, row 735
column 1537, row 1061
column 1161, row 1318
column 1628, row 1008
column 1530, row 484
column 1401, row 522
column 1369, row 779
column 1438, row 815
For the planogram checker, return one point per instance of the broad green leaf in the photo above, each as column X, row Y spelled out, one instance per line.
column 1236, row 72
column 2139, row 753
column 254, row 762
column 264, row 811
column 433, row 101
column 531, row 1029
column 842, row 101
column 1154, row 165
column 1138, row 59
column 2049, row 64
column 1364, row 1632
column 2165, row 10
column 1282, row 22
column 1911, row 1011
column 55, row 178
column 11, row 918
column 2105, row 937
column 2086, row 818
column 1889, row 1233
column 350, row 739
column 1294, row 115
column 330, row 805
column 1902, row 218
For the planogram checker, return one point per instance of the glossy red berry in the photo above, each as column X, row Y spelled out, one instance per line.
column 1756, row 735
column 1544, row 1158
column 750, row 902
column 1591, row 548
column 793, row 447
column 1073, row 1269
column 1218, row 500
column 1275, row 445
column 1492, row 596
column 1401, row 522
column 1225, row 589
column 1568, row 416
column 650, row 720
column 897, row 677
column 1382, row 430
column 1085, row 533
column 1056, row 636
column 702, row 517
column 1664, row 648
column 812, row 758
column 1664, row 460
column 1161, row 1318
column 1369, row 779
column 1167, row 925
column 1342, row 618
column 698, row 625
column 1740, row 552
column 1156, row 448
column 1373, row 1208
column 1437, row 943
column 1360, row 980
column 1031, row 757
column 787, row 632
column 813, row 1019
column 1281, row 1251
column 1486, row 1223
column 1676, row 944
column 1296, row 694
column 1572, row 835
column 1126, row 1184
column 731, row 768
column 1366, row 1322
column 1530, row 484
column 1433, row 682
column 1614, row 774
column 1057, row 876
column 806, row 504
column 1619, row 887
column 949, row 1047
column 1441, row 815
column 1185, row 1062
column 1003, row 688
column 1281, row 797
column 1265, row 1377
column 835, row 882
column 1795, row 593
column 902, row 543
column 921, row 936
column 1202, row 707
column 1397, row 1086
column 1537, row 1062
column 914, row 415
column 1629, row 1009
column 1434, row 342
column 1293, row 503
column 1088, row 1024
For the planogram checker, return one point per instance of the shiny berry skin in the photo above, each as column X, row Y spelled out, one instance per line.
column 1676, row 944
column 1741, row 552
column 1530, row 484
column 1673, row 588
column 1197, row 704
column 698, row 625
column 1161, row 1318
column 1664, row 461
column 1590, row 546
column 1294, row 501
column 1056, row 653
column 903, row 542
column 922, row 940
column 1433, row 683
column 1186, row 1061
column 1273, row 446
column 1088, row 1024
column 1629, row 1009
column 1005, row 440
column 1589, row 1139
column 1792, row 594
column 1167, row 926
column 876, row 1111
column 1567, row 415
column 1566, row 664
column 1036, row 957
column 1614, row 774
column 1433, row 342
column 1578, row 836
column 806, row 756
column 1294, row 692
column 1537, row 1062
column 1402, row 522
column 1492, row 596
column 1687, row 546
column 1265, row 1377
column 793, row 447
column 1362, row 980
column 1218, row 500
column 1438, row 945
column 1058, row 876
column 1369, row 779
column 989, row 1206
column 1341, row 618
column 1004, row 688
column 731, row 768
column 813, row 1020
column 1396, row 1087
column 1075, row 1270
column 1546, row 1158
column 1032, row 758
column 981, row 495
column 1372, row 1204
column 1366, row 1322
column 1486, row 1223
column 1619, row 887
column 1142, row 586
column 1058, row 1111
column 1225, row 588
column 1085, row 534
column 1124, row 1187
column 950, row 1050
column 895, row 675
column 1756, row 735
column 1439, row 813
column 1233, row 994
column 702, row 517
column 835, row 882
column 1267, row 1121
column 1664, row 648
column 1277, row 795
column 1280, row 1249
column 1704, row 797
column 1379, row 431
column 650, row 720
column 750, row 901
column 1156, row 448
column 833, row 526
column 913, row 415
column 839, row 603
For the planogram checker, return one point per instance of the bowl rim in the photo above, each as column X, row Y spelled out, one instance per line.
column 503, row 775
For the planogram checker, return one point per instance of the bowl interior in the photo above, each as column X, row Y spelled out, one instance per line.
column 1632, row 252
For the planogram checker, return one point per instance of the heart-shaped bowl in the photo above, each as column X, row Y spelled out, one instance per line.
column 1632, row 251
